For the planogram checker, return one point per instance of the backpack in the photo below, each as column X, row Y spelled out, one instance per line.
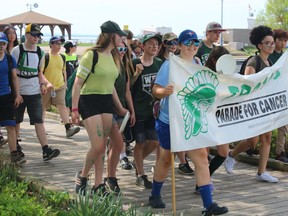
column 70, row 81
column 47, row 60
column 21, row 48
column 258, row 64
column 10, row 66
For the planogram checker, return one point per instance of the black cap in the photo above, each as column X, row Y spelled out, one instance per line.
column 112, row 27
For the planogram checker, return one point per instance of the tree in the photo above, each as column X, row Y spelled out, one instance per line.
column 275, row 14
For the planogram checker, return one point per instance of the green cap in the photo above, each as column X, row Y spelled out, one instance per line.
column 149, row 36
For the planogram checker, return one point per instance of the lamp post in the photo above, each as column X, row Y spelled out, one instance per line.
column 221, row 37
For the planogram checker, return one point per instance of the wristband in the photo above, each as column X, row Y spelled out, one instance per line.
column 42, row 84
column 74, row 109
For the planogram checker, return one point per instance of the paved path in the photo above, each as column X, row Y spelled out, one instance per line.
column 239, row 192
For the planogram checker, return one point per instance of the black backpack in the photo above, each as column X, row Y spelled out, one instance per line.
column 47, row 60
column 258, row 64
column 21, row 48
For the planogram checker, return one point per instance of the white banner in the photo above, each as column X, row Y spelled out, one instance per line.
column 208, row 109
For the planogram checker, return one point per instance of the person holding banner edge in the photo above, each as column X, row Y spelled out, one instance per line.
column 188, row 46
column 262, row 38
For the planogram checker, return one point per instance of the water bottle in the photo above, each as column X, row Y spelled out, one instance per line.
column 53, row 93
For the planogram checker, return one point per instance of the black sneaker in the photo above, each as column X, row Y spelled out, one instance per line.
column 282, row 157
column 156, row 202
column 16, row 158
column 112, row 184
column 252, row 151
column 144, row 182
column 214, row 209
column 50, row 153
column 185, row 169
column 19, row 149
column 80, row 184
column 3, row 141
column 100, row 190
column 125, row 164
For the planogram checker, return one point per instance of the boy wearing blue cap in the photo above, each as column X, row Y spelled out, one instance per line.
column 10, row 98
column 54, row 70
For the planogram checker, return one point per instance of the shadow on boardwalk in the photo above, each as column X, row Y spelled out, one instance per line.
column 239, row 192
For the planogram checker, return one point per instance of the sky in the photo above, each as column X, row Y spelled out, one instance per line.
column 87, row 16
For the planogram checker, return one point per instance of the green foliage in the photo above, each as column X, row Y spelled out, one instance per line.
column 109, row 205
column 275, row 14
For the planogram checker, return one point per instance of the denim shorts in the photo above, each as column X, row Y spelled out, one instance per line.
column 144, row 130
column 163, row 132
column 33, row 103
column 7, row 117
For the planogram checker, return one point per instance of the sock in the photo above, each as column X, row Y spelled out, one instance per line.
column 215, row 163
column 122, row 155
column 67, row 126
column 45, row 148
column 206, row 195
column 156, row 188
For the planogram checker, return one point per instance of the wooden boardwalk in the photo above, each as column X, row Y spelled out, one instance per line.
column 240, row 192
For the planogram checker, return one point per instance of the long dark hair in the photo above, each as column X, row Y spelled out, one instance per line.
column 15, row 42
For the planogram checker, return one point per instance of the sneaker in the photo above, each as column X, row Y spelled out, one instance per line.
column 100, row 190
column 252, row 151
column 50, row 153
column 185, row 169
column 19, row 149
column 156, row 202
column 112, row 184
column 3, row 141
column 214, row 209
column 144, row 182
column 229, row 164
column 80, row 184
column 282, row 157
column 197, row 189
column 266, row 177
column 16, row 158
column 125, row 164
column 72, row 131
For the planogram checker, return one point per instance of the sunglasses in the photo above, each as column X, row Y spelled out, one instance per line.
column 171, row 43
column 189, row 43
column 122, row 49
column 35, row 35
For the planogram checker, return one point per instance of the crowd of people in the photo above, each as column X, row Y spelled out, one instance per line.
column 127, row 76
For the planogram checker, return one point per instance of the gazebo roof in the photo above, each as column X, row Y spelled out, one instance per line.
column 33, row 17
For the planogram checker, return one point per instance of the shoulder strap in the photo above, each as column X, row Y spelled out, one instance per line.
column 258, row 63
column 95, row 60
column 10, row 66
column 46, row 61
column 21, row 51
column 64, row 59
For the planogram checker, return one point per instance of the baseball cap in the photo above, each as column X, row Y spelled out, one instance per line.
column 69, row 44
column 169, row 37
column 33, row 28
column 187, row 35
column 214, row 26
column 147, row 37
column 3, row 38
column 56, row 38
column 112, row 27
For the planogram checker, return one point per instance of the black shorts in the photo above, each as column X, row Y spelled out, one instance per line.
column 144, row 130
column 95, row 104
column 34, row 109
column 7, row 115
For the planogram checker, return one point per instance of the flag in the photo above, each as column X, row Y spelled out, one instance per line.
column 209, row 109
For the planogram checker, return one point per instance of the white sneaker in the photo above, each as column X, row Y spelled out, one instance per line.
column 229, row 164
column 266, row 177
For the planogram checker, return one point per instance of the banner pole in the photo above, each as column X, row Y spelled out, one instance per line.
column 173, row 185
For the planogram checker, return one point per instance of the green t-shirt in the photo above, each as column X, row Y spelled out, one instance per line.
column 203, row 52
column 104, row 76
column 275, row 56
column 120, row 86
column 141, row 90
